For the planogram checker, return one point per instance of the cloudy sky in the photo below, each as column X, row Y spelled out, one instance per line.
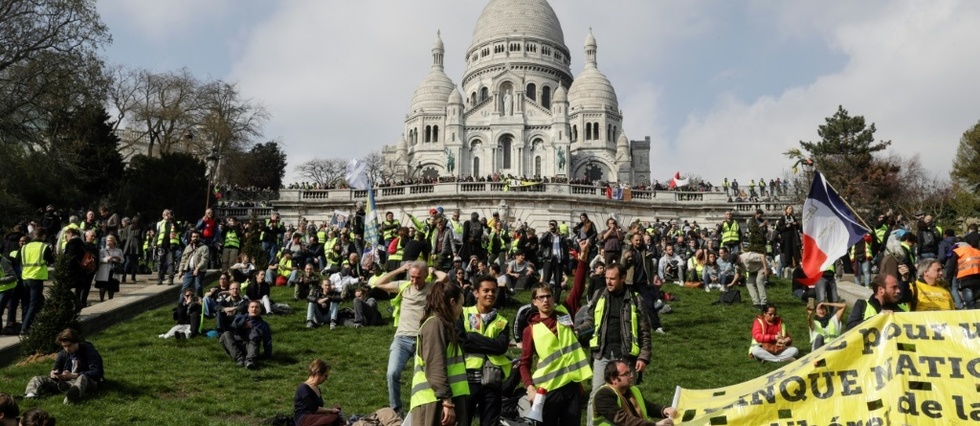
column 723, row 88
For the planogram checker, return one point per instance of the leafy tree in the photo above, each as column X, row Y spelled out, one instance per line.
column 90, row 151
column 966, row 164
column 59, row 312
column 846, row 155
column 263, row 166
column 171, row 181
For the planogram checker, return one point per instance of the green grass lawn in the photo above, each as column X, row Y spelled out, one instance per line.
column 193, row 382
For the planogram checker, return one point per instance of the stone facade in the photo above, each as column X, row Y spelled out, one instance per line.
column 521, row 112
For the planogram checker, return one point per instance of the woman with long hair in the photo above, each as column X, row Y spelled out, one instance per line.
column 308, row 407
column 439, row 387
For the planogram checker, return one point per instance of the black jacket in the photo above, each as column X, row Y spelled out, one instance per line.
column 89, row 362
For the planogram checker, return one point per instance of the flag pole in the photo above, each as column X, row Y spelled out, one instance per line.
column 856, row 214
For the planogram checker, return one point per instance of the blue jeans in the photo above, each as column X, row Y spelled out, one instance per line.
column 865, row 273
column 401, row 350
column 826, row 290
column 190, row 281
column 271, row 249
column 954, row 289
column 968, row 301
column 313, row 313
column 35, row 290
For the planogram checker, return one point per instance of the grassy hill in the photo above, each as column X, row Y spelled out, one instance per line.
column 183, row 382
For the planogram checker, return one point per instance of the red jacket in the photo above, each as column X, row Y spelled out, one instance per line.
column 763, row 332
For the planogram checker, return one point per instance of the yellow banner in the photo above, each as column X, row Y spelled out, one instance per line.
column 918, row 368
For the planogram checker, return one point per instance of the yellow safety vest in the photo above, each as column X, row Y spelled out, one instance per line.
column 33, row 265
column 491, row 330
column 600, row 314
column 832, row 330
column 174, row 239
column 422, row 393
column 285, row 267
column 390, row 233
column 640, row 405
column 869, row 311
column 399, row 252
column 561, row 359
column 8, row 286
column 729, row 232
column 231, row 239
column 396, row 303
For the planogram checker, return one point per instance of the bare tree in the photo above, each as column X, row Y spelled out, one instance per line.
column 323, row 171
column 378, row 168
column 225, row 121
column 165, row 109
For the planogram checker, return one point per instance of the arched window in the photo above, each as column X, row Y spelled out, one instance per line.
column 476, row 167
column 473, row 98
column 595, row 131
column 609, row 132
column 537, row 165
column 435, row 133
column 505, row 146
column 484, row 94
column 546, row 96
column 415, row 136
column 588, row 131
column 531, row 92
column 428, row 133
column 574, row 133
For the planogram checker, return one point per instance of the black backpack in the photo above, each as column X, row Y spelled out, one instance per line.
column 730, row 297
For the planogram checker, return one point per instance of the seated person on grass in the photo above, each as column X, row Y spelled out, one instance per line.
column 344, row 281
column 770, row 339
column 245, row 334
column 9, row 411
column 37, row 417
column 520, row 272
column 825, row 326
column 228, row 305
column 210, row 299
column 366, row 313
column 256, row 288
column 303, row 281
column 187, row 314
column 77, row 370
column 322, row 305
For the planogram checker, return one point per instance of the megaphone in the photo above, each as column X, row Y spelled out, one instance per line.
column 537, row 408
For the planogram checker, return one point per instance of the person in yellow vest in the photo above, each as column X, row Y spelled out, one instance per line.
column 8, row 286
column 407, row 311
column 562, row 365
column 439, row 386
column 861, row 256
column 886, row 294
column 927, row 293
column 964, row 267
column 619, row 401
column 389, row 228
column 825, row 326
column 770, row 340
column 167, row 244
column 35, row 257
column 731, row 233
column 232, row 237
column 485, row 345
column 621, row 327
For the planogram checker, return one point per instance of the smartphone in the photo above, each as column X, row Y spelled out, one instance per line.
column 811, row 303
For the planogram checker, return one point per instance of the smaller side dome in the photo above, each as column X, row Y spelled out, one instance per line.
column 561, row 95
column 455, row 98
column 623, row 142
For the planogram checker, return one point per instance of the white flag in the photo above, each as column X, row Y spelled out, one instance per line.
column 357, row 176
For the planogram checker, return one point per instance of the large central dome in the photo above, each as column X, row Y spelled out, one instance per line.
column 529, row 18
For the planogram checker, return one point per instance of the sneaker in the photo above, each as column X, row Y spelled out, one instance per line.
column 180, row 335
column 30, row 395
column 240, row 362
column 358, row 325
column 333, row 325
column 310, row 324
column 707, row 289
column 660, row 330
column 74, row 394
column 251, row 365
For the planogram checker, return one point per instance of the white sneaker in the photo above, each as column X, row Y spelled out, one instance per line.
column 660, row 330
column 30, row 395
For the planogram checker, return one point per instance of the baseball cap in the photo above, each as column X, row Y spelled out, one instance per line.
column 433, row 211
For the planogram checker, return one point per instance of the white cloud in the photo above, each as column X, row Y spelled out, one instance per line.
column 910, row 69
column 158, row 21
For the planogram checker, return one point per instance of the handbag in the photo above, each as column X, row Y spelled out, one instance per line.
column 117, row 268
column 773, row 348
column 491, row 375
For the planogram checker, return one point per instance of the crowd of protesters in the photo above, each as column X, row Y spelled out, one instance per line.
column 478, row 264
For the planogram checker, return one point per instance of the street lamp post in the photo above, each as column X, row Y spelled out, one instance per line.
column 212, row 168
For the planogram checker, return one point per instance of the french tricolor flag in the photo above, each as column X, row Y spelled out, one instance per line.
column 830, row 228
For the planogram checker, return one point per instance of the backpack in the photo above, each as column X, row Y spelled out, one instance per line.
column 730, row 297
column 383, row 417
column 88, row 262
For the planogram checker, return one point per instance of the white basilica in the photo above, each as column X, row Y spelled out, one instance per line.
column 521, row 112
